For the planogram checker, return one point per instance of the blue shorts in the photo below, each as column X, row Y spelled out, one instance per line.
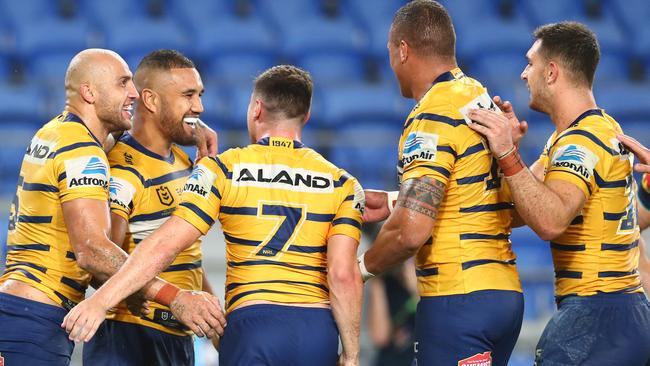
column 604, row 329
column 275, row 335
column 31, row 333
column 468, row 329
column 125, row 344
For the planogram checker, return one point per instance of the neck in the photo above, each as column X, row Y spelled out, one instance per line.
column 569, row 105
column 427, row 73
column 90, row 119
column 148, row 133
column 289, row 130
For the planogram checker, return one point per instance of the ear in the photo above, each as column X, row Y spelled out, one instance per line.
column 403, row 51
column 87, row 93
column 257, row 109
column 307, row 116
column 551, row 72
column 150, row 100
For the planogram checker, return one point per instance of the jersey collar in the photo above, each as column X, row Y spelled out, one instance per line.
column 590, row 112
column 71, row 117
column 131, row 141
column 280, row 142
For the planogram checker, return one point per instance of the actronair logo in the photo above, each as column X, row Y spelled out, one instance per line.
column 576, row 158
column 419, row 146
column 278, row 176
column 200, row 181
column 86, row 171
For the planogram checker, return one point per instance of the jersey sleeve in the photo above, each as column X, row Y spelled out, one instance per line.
column 347, row 220
column 429, row 149
column 573, row 159
column 202, row 193
column 125, row 187
column 81, row 170
column 644, row 191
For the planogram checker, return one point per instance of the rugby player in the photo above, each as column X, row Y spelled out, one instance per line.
column 59, row 220
column 584, row 204
column 148, row 170
column 291, row 221
column 453, row 211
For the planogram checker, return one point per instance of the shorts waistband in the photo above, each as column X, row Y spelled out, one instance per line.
column 14, row 304
column 604, row 298
column 268, row 309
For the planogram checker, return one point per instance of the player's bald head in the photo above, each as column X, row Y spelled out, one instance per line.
column 159, row 63
column 93, row 66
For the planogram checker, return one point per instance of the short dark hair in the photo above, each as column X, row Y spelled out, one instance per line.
column 574, row 44
column 426, row 26
column 165, row 60
column 285, row 89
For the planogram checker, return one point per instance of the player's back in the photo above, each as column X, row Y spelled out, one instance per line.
column 63, row 162
column 469, row 249
column 599, row 250
column 278, row 202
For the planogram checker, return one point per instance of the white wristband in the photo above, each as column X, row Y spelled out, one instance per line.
column 365, row 275
column 392, row 200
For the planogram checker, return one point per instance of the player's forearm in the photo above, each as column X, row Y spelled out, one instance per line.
column 540, row 208
column 149, row 259
column 346, row 291
column 100, row 257
column 394, row 244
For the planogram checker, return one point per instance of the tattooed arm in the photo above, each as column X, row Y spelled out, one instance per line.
column 408, row 227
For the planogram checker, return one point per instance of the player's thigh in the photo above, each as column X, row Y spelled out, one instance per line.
column 480, row 327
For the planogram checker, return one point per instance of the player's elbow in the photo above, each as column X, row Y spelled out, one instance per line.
column 411, row 240
column 338, row 277
column 550, row 232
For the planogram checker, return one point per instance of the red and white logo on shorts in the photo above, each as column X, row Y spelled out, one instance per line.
column 479, row 359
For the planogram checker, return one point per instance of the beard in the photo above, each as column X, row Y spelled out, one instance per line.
column 112, row 116
column 538, row 100
column 175, row 128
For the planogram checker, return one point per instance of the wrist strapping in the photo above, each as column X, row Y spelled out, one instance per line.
column 511, row 163
column 392, row 200
column 365, row 274
column 166, row 294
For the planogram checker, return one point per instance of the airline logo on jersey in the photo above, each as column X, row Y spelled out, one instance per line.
column 277, row 176
column 39, row 150
column 200, row 181
column 483, row 101
column 86, row 171
column 419, row 146
column 576, row 158
column 121, row 192
column 479, row 359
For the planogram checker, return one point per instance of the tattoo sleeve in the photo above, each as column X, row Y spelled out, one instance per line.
column 422, row 195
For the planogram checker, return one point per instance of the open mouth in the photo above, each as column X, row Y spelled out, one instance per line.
column 192, row 121
column 127, row 111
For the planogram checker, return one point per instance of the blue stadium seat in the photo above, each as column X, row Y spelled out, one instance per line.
column 633, row 14
column 539, row 299
column 533, row 254
column 641, row 45
column 21, row 103
column 506, row 67
column 51, row 36
column 199, row 13
column 333, row 68
column 376, row 16
column 141, row 36
column 16, row 137
column 289, row 11
column 485, row 36
column 49, row 68
column 225, row 35
column 237, row 68
column 215, row 105
column 612, row 68
column 20, row 12
column 4, row 68
column 469, row 12
column 367, row 149
column 107, row 13
column 322, row 35
column 345, row 104
column 639, row 129
column 624, row 100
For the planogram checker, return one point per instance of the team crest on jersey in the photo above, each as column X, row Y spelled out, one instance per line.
column 165, row 195
column 86, row 171
column 39, row 150
column 479, row 359
column 121, row 192
column 278, row 176
column 576, row 158
column 200, row 181
column 420, row 146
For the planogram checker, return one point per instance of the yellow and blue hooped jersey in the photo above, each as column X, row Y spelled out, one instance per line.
column 469, row 249
column 278, row 203
column 599, row 251
column 63, row 162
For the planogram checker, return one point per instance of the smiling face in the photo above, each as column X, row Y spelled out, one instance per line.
column 534, row 76
column 116, row 95
column 180, row 94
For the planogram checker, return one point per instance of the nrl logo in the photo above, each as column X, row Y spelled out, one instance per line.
column 165, row 195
